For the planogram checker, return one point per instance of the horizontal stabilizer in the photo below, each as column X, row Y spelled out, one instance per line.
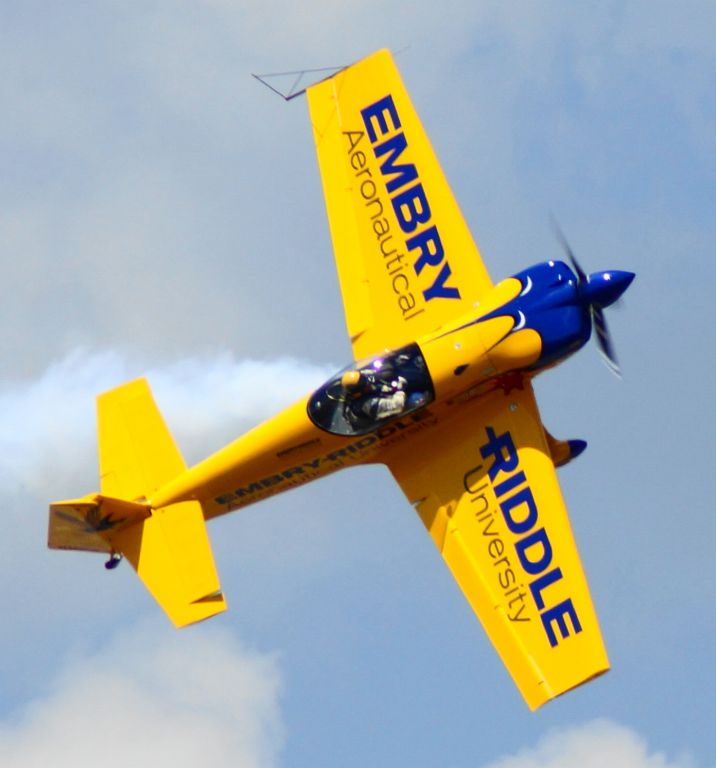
column 87, row 523
column 171, row 552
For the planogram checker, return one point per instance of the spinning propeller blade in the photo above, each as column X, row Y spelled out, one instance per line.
column 597, row 291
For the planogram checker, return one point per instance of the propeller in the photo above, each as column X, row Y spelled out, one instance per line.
column 597, row 291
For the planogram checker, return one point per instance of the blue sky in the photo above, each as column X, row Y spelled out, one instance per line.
column 161, row 213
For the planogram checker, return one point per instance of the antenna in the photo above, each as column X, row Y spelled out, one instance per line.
column 289, row 85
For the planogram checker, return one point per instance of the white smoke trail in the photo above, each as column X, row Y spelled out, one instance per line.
column 47, row 428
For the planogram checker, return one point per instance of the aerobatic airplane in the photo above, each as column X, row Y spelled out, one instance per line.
column 440, row 391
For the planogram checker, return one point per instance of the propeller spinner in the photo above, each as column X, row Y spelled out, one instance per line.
column 597, row 291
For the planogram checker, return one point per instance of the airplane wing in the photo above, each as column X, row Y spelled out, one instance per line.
column 487, row 491
column 406, row 260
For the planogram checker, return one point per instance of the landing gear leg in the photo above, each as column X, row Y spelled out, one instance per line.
column 114, row 560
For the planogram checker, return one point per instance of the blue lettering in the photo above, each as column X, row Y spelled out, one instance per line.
column 503, row 488
column 251, row 488
column 405, row 173
column 431, row 248
column 438, row 290
column 536, row 586
column 411, row 208
column 496, row 447
column 525, row 549
column 375, row 115
column 557, row 614
column 533, row 549
column 519, row 499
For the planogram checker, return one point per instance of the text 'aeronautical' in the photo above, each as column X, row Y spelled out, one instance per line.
column 420, row 239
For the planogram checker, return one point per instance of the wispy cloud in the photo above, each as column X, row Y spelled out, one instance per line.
column 48, row 451
column 154, row 697
column 595, row 744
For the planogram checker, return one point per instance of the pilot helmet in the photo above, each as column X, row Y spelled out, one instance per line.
column 352, row 381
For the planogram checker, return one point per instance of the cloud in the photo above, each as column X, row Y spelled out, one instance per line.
column 592, row 745
column 157, row 198
column 48, row 451
column 48, row 425
column 153, row 697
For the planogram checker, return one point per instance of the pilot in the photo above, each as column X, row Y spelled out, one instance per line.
column 370, row 398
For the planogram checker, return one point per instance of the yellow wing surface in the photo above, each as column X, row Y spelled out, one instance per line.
column 490, row 498
column 406, row 260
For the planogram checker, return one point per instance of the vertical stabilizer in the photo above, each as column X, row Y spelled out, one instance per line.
column 137, row 454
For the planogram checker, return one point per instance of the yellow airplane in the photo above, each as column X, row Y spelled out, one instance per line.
column 440, row 392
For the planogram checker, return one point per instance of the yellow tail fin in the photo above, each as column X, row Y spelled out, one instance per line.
column 168, row 547
column 136, row 452
column 171, row 553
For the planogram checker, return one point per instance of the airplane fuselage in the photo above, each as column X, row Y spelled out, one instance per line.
column 524, row 324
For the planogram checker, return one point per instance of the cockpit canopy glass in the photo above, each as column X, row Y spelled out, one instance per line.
column 363, row 396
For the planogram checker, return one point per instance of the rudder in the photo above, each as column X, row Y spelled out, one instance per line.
column 137, row 454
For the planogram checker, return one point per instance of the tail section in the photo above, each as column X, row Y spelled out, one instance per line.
column 136, row 452
column 171, row 552
column 168, row 547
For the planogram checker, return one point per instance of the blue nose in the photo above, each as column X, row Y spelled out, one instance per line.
column 604, row 288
